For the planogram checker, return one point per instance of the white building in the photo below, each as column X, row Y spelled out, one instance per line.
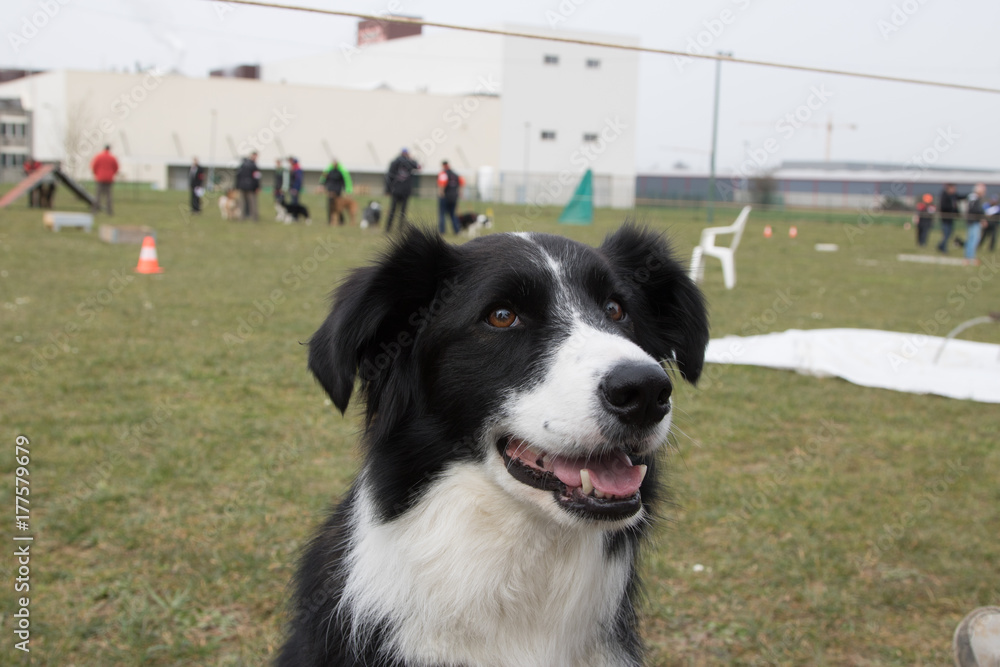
column 156, row 123
column 520, row 119
column 564, row 107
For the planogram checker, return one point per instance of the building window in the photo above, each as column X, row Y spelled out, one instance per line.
column 548, row 135
column 551, row 59
column 593, row 63
column 590, row 136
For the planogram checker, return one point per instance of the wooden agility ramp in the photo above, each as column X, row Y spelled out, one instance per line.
column 35, row 177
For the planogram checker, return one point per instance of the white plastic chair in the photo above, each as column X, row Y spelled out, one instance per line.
column 726, row 255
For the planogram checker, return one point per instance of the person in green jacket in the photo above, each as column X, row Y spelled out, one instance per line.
column 337, row 182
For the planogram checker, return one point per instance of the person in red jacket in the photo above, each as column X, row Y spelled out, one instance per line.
column 105, row 166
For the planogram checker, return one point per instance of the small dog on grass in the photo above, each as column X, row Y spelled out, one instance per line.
column 229, row 206
column 473, row 223
column 287, row 212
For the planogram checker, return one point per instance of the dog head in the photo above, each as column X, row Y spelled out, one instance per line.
column 535, row 356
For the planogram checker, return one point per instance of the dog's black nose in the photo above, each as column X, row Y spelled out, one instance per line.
column 638, row 393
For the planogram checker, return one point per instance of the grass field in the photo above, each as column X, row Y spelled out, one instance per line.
column 180, row 452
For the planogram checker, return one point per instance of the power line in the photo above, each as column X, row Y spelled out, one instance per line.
column 625, row 47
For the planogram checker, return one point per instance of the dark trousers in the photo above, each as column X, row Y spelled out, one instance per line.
column 249, row 204
column 446, row 208
column 104, row 193
column 946, row 228
column 991, row 231
column 923, row 230
column 195, row 202
column 400, row 201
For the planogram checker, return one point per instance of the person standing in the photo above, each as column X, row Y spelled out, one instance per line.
column 248, row 183
column 449, row 190
column 975, row 220
column 924, row 218
column 279, row 181
column 399, row 185
column 34, row 194
column 196, row 184
column 992, row 221
column 295, row 179
column 948, row 208
column 104, row 166
column 335, row 184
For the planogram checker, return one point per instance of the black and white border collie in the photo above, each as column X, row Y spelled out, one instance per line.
column 287, row 212
column 473, row 223
column 515, row 405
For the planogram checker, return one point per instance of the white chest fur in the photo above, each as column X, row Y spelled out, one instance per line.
column 472, row 577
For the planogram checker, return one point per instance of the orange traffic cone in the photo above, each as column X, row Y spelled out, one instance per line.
column 767, row 231
column 793, row 232
column 147, row 257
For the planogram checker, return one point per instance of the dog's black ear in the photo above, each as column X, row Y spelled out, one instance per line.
column 376, row 316
column 674, row 320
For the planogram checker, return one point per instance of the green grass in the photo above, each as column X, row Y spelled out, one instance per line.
column 181, row 452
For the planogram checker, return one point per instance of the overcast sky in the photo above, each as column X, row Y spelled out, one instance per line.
column 956, row 41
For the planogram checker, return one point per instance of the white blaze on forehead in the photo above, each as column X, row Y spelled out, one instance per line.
column 561, row 414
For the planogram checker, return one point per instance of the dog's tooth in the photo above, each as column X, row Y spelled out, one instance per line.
column 546, row 460
column 599, row 494
column 588, row 488
column 642, row 472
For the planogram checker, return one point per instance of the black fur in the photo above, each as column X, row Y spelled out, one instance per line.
column 411, row 328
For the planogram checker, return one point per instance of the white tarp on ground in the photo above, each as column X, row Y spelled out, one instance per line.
column 871, row 358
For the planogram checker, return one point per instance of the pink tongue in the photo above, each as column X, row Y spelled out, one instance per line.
column 612, row 474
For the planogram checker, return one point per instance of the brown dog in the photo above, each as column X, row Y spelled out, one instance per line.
column 343, row 204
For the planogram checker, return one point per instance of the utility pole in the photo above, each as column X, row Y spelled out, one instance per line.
column 715, row 135
column 211, row 153
column 527, row 145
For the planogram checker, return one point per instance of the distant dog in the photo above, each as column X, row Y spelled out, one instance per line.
column 516, row 404
column 288, row 212
column 372, row 215
column 473, row 223
column 341, row 205
column 229, row 206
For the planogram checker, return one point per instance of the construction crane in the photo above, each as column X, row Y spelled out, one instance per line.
column 829, row 126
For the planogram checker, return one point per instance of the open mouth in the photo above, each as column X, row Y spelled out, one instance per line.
column 604, row 486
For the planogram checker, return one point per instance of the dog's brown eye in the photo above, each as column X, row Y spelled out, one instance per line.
column 614, row 310
column 503, row 318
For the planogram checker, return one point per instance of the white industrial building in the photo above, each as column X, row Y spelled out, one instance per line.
column 521, row 119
